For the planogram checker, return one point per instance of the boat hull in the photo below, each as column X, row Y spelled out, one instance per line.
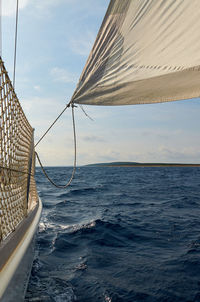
column 16, row 258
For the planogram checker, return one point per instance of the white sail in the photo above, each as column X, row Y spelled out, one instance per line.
column 146, row 51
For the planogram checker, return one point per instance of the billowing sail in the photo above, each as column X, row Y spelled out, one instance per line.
column 146, row 51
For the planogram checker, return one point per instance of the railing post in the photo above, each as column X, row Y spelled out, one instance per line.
column 30, row 166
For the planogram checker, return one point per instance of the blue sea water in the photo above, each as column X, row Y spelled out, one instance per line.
column 118, row 234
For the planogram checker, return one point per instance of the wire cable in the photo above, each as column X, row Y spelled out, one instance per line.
column 1, row 28
column 15, row 51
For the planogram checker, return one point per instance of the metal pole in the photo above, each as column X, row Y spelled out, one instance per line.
column 29, row 167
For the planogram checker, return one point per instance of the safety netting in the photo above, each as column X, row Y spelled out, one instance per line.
column 18, row 194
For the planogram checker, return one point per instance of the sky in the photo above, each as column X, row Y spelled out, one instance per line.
column 54, row 41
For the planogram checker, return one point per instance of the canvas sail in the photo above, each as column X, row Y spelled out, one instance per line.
column 146, row 51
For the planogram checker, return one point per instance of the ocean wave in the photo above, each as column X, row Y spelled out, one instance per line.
column 116, row 236
column 82, row 191
column 52, row 290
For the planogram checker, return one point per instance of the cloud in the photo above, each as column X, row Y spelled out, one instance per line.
column 42, row 6
column 186, row 155
column 37, row 87
column 83, row 45
column 62, row 75
column 88, row 155
column 164, row 134
column 41, row 112
column 93, row 139
column 114, row 156
column 9, row 6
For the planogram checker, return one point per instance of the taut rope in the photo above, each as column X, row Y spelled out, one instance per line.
column 15, row 52
column 0, row 28
column 52, row 124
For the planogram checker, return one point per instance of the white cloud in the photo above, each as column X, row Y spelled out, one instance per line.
column 43, row 7
column 9, row 6
column 43, row 4
column 93, row 138
column 187, row 154
column 94, row 155
column 41, row 112
column 37, row 87
column 62, row 75
column 83, row 45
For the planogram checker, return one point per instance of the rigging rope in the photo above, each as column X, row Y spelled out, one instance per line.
column 74, row 168
column 85, row 113
column 53, row 123
column 15, row 51
column 72, row 105
column 1, row 28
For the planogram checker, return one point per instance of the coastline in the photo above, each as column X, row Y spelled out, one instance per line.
column 143, row 165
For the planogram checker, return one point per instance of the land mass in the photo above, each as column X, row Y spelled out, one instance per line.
column 136, row 164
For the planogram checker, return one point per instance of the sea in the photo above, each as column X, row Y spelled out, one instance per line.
column 118, row 234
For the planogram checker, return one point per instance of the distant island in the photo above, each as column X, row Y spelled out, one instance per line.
column 136, row 164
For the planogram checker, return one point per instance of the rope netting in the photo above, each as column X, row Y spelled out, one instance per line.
column 18, row 194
